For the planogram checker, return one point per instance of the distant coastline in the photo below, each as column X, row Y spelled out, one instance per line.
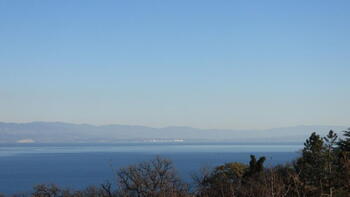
column 59, row 132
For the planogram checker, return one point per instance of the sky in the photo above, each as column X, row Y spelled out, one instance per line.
column 199, row 63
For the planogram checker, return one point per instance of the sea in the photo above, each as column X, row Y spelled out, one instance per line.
column 77, row 166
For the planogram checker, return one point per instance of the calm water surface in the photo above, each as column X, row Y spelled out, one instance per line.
column 78, row 166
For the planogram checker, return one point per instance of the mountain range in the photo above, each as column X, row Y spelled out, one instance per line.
column 60, row 132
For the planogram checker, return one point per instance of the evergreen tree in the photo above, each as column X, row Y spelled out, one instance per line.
column 344, row 144
column 331, row 164
column 312, row 165
column 343, row 175
column 255, row 166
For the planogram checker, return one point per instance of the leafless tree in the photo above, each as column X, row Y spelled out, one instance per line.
column 154, row 178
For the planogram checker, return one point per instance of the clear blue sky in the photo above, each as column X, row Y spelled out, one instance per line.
column 206, row 64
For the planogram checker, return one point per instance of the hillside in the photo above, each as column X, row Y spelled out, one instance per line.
column 59, row 132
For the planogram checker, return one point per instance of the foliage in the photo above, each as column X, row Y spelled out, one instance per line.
column 223, row 179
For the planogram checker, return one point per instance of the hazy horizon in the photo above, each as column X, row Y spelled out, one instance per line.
column 59, row 132
column 167, row 126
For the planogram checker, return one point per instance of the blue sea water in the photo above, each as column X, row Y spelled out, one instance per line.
column 78, row 166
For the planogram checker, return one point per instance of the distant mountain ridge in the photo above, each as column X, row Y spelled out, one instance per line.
column 60, row 132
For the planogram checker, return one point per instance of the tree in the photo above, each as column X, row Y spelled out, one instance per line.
column 330, row 142
column 344, row 144
column 311, row 166
column 255, row 166
column 43, row 190
column 343, row 175
column 154, row 178
column 224, row 180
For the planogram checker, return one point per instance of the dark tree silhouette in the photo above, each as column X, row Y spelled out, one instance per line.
column 344, row 144
column 154, row 178
column 255, row 166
